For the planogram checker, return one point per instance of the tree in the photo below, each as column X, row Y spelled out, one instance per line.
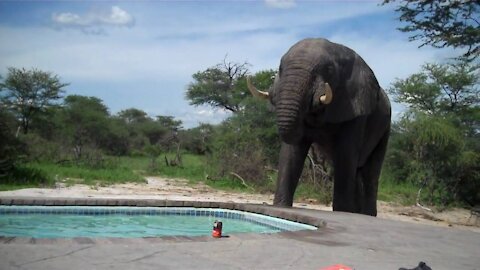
column 136, row 122
column 197, row 140
column 133, row 115
column 85, row 122
column 169, row 123
column 217, row 86
column 246, row 142
column 450, row 89
column 435, row 144
column 8, row 146
column 452, row 23
column 29, row 92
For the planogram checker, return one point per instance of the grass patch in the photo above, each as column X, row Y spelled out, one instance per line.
column 79, row 174
column 308, row 191
column 391, row 190
column 25, row 176
column 229, row 184
column 193, row 167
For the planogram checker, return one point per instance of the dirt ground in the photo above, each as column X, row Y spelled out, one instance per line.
column 175, row 189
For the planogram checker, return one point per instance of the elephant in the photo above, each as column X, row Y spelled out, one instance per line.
column 325, row 95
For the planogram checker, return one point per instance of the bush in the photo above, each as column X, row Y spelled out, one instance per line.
column 430, row 152
column 40, row 149
column 236, row 152
column 25, row 175
column 245, row 144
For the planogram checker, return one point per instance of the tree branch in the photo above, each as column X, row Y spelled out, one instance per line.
column 241, row 179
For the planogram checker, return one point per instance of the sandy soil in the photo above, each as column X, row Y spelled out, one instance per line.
column 175, row 189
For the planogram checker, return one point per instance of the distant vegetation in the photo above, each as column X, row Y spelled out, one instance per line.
column 45, row 136
column 434, row 146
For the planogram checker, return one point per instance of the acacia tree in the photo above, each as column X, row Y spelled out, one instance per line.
column 133, row 116
column 217, row 86
column 85, row 122
column 29, row 92
column 453, row 23
column 245, row 143
column 435, row 144
column 450, row 89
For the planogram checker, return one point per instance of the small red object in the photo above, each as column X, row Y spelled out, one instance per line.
column 217, row 229
column 337, row 267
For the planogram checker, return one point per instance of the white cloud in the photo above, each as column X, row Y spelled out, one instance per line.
column 283, row 4
column 193, row 116
column 68, row 19
column 94, row 21
column 118, row 16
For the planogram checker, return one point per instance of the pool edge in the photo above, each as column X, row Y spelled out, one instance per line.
column 264, row 209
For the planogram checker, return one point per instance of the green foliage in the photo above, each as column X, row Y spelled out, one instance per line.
column 10, row 147
column 246, row 143
column 447, row 88
column 198, row 139
column 84, row 122
column 37, row 148
column 29, row 92
column 236, row 151
column 25, row 176
column 109, row 172
column 193, row 168
column 314, row 192
column 217, row 86
column 392, row 190
column 169, row 122
column 133, row 115
column 442, row 23
column 435, row 144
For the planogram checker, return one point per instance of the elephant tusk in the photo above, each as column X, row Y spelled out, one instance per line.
column 255, row 92
column 327, row 98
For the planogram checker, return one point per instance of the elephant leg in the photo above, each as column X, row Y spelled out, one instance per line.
column 292, row 158
column 370, row 173
column 346, row 188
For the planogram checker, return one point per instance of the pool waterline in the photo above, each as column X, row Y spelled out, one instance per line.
column 126, row 222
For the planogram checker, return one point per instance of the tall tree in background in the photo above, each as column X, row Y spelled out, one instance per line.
column 435, row 144
column 449, row 90
column 132, row 116
column 247, row 142
column 29, row 92
column 442, row 23
column 217, row 86
column 85, row 121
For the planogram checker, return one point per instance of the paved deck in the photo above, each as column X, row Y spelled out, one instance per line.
column 358, row 241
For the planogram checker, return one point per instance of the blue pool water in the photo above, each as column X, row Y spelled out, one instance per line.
column 125, row 222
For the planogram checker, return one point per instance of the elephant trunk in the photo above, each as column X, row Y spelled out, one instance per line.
column 288, row 108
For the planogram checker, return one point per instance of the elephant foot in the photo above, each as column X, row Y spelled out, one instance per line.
column 282, row 202
column 371, row 212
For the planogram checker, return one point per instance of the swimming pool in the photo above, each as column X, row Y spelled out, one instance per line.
column 128, row 222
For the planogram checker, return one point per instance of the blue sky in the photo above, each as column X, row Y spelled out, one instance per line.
column 141, row 54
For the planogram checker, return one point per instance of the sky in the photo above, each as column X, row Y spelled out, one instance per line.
column 142, row 54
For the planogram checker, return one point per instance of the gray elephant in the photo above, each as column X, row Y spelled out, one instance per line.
column 326, row 95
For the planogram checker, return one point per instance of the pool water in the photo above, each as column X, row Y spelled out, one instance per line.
column 125, row 222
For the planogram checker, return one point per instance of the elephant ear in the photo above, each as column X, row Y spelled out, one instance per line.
column 355, row 94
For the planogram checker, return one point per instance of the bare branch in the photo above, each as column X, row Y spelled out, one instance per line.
column 241, row 179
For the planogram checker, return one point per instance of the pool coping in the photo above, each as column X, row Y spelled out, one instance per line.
column 263, row 209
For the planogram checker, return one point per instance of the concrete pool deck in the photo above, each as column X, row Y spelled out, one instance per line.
column 358, row 241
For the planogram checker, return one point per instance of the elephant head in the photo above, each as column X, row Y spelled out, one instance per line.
column 318, row 76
